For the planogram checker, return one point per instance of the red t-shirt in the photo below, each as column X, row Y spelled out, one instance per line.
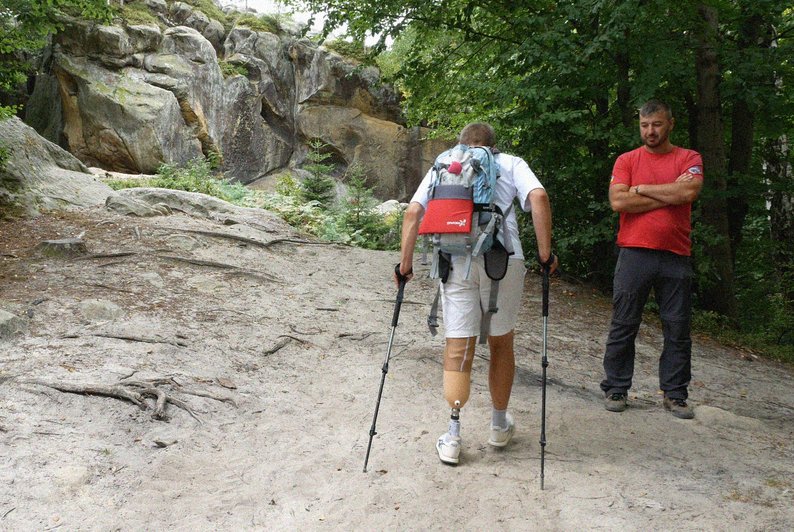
column 666, row 228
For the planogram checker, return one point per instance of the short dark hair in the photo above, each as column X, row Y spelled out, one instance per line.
column 655, row 106
column 478, row 134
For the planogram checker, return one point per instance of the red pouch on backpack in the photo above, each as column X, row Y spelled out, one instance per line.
column 450, row 210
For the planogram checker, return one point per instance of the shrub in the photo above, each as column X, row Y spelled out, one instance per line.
column 366, row 228
column 138, row 13
column 318, row 186
column 229, row 70
column 354, row 50
column 264, row 23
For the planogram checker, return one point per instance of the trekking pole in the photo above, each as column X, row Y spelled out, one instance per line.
column 545, row 364
column 402, row 279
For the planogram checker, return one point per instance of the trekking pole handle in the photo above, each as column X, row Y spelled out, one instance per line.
column 546, row 267
column 401, row 280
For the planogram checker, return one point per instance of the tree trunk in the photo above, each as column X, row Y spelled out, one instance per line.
column 624, row 89
column 742, row 134
column 717, row 294
column 742, row 127
column 780, row 177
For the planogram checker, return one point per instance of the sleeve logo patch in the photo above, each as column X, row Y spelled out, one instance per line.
column 695, row 170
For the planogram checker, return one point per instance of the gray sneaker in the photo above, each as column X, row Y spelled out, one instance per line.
column 679, row 408
column 615, row 402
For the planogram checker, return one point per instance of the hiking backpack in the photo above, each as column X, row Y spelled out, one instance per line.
column 462, row 219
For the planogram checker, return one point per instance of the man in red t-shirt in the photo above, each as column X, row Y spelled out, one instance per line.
column 653, row 188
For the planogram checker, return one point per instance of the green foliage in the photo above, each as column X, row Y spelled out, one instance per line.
column 230, row 70
column 318, row 186
column 196, row 175
column 287, row 185
column 358, row 219
column 353, row 223
column 4, row 155
column 264, row 23
column 138, row 13
column 209, row 8
column 25, row 26
column 561, row 82
column 214, row 158
column 351, row 50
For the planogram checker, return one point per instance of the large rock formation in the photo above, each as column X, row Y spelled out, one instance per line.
column 37, row 175
column 131, row 98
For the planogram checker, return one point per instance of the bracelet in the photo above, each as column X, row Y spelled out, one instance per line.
column 637, row 190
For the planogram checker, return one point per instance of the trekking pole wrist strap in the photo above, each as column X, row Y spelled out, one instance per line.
column 401, row 277
column 549, row 262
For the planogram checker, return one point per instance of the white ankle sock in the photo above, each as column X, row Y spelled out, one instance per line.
column 499, row 418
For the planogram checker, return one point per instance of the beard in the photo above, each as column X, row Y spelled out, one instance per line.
column 655, row 141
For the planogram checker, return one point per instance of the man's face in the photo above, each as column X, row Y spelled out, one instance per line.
column 655, row 129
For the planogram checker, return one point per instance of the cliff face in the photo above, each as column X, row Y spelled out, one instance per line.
column 128, row 98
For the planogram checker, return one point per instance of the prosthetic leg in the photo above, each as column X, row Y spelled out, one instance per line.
column 458, row 358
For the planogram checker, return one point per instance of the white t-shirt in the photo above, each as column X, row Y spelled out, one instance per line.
column 516, row 180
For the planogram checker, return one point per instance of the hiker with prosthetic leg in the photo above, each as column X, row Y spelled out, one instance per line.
column 470, row 304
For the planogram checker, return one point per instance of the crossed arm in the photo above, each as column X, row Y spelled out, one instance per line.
column 644, row 198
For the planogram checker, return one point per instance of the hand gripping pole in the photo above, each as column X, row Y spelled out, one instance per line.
column 401, row 279
column 545, row 364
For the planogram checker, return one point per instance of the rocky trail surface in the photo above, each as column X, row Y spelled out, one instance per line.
column 254, row 354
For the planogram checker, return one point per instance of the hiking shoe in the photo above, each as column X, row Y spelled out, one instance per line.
column 615, row 402
column 501, row 436
column 679, row 408
column 448, row 448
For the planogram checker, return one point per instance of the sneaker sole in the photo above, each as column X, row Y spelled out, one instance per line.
column 446, row 459
column 500, row 444
column 616, row 408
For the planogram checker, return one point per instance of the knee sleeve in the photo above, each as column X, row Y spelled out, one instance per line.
column 458, row 357
column 459, row 354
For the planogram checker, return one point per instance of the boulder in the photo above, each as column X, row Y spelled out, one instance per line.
column 122, row 121
column 10, row 324
column 204, row 206
column 39, row 175
column 326, row 78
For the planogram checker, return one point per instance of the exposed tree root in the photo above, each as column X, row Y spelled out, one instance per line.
column 252, row 241
column 222, row 266
column 131, row 338
column 132, row 391
column 120, row 254
column 282, row 341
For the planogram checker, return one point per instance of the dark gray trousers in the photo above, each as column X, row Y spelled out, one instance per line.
column 670, row 275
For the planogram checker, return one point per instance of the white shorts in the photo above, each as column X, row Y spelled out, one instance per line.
column 464, row 301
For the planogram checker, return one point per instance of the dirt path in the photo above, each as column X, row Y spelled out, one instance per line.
column 277, row 350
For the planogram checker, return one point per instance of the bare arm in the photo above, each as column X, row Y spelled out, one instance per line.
column 684, row 190
column 625, row 199
column 410, row 232
column 541, row 221
column 644, row 198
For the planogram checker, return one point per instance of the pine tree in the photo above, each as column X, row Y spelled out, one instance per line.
column 318, row 186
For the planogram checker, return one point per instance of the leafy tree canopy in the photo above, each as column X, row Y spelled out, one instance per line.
column 25, row 26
